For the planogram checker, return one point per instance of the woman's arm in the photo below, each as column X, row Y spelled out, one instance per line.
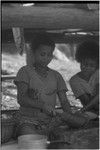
column 73, row 120
column 64, row 101
column 23, row 98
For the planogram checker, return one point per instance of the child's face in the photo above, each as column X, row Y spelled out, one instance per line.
column 88, row 66
column 43, row 55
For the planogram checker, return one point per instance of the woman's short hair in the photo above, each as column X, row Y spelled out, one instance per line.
column 42, row 39
column 87, row 50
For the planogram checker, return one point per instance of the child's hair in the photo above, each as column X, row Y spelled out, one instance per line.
column 42, row 39
column 87, row 50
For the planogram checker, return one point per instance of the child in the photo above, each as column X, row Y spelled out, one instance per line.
column 37, row 87
column 85, row 84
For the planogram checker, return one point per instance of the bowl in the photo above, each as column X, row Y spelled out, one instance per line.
column 31, row 141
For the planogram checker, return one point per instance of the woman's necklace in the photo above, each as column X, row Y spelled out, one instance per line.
column 43, row 72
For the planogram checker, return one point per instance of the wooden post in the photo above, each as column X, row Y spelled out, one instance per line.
column 18, row 34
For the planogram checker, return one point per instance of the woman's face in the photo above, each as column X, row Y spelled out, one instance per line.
column 88, row 66
column 43, row 55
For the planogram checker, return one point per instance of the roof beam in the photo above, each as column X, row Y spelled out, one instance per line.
column 49, row 18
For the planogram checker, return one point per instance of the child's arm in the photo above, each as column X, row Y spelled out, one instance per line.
column 24, row 100
column 93, row 101
column 64, row 101
column 85, row 99
column 74, row 120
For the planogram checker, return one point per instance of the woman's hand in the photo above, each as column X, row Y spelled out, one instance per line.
column 36, row 97
column 33, row 93
column 49, row 110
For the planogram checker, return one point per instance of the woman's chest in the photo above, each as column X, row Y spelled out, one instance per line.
column 48, row 84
